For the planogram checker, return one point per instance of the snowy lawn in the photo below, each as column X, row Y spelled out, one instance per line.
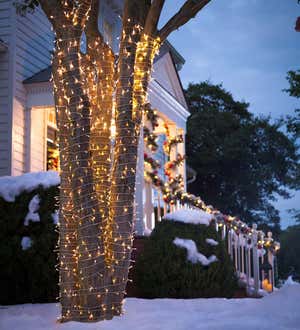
column 280, row 310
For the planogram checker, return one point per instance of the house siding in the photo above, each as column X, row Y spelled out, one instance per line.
column 33, row 45
column 29, row 40
column 6, row 29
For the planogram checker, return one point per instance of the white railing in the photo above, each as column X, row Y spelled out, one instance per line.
column 254, row 265
column 246, row 250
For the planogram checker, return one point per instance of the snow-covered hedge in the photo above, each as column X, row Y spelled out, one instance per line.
column 28, row 220
column 182, row 259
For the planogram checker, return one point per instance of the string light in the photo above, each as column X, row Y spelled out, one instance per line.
column 93, row 268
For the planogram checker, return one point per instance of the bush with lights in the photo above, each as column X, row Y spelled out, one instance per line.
column 163, row 270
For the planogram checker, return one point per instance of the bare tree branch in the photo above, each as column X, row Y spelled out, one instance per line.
column 50, row 7
column 92, row 23
column 189, row 10
column 153, row 16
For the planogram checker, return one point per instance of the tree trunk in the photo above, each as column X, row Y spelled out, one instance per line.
column 81, row 243
column 135, row 50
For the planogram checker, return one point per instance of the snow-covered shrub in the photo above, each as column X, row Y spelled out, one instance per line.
column 179, row 262
column 28, row 238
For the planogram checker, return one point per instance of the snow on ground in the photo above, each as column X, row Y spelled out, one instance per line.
column 12, row 186
column 277, row 311
column 190, row 216
column 193, row 255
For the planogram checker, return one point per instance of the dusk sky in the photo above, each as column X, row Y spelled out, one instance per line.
column 248, row 45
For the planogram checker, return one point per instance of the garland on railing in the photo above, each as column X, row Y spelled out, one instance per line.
column 154, row 164
column 150, row 139
column 173, row 189
column 171, row 165
column 172, row 142
column 151, row 115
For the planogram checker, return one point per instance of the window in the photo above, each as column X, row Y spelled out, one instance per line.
column 52, row 143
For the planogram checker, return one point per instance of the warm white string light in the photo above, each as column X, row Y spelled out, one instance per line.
column 86, row 171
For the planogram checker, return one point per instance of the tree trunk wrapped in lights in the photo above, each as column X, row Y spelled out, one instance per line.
column 98, row 178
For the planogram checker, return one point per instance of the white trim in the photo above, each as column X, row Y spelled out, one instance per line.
column 167, row 104
column 170, row 78
column 39, row 95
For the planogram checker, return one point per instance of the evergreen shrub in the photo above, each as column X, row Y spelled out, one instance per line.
column 28, row 276
column 162, row 270
column 289, row 253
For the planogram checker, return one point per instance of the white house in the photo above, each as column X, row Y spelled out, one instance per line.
column 27, row 116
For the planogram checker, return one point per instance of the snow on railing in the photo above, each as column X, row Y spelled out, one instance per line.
column 253, row 253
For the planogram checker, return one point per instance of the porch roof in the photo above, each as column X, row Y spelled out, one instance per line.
column 45, row 74
column 42, row 76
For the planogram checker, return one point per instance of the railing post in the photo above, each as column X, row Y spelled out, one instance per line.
column 243, row 256
column 235, row 246
column 229, row 241
column 158, row 207
column 148, row 207
column 255, row 261
column 223, row 232
column 248, row 265
column 165, row 208
column 239, row 269
column 271, row 260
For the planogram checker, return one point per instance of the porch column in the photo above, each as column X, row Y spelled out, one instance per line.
column 148, row 207
column 139, row 187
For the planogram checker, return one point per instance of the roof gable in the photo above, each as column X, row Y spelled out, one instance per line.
column 166, row 75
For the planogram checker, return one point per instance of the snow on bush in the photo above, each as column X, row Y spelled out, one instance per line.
column 26, row 242
column 193, row 255
column 33, row 207
column 12, row 186
column 211, row 241
column 190, row 216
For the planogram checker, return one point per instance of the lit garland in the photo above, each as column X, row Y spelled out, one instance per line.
column 151, row 115
column 171, row 142
column 171, row 165
column 150, row 139
column 154, row 164
column 173, row 190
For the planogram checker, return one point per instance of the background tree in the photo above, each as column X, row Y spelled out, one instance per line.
column 97, row 194
column 289, row 261
column 293, row 121
column 242, row 161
